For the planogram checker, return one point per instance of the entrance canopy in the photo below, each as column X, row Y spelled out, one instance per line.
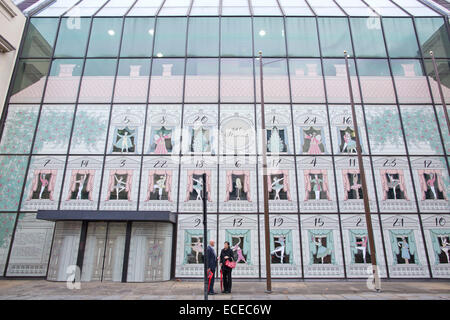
column 74, row 215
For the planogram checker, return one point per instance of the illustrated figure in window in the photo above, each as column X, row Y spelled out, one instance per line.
column 277, row 186
column 317, row 185
column 280, row 249
column 81, row 193
column 198, row 187
column 42, row 192
column 236, row 248
column 356, row 187
column 445, row 246
column 200, row 140
column 275, row 141
column 313, row 141
column 125, row 140
column 432, row 192
column 163, row 141
column 393, row 182
column 361, row 245
column 321, row 250
column 160, row 185
column 404, row 247
column 120, row 186
column 238, row 184
column 197, row 247
column 154, row 256
column 44, row 184
column 348, row 143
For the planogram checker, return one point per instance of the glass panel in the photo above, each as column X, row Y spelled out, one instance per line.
column 443, row 67
column 56, row 9
column 105, row 37
column 72, row 37
column 400, row 38
column 415, row 8
column 302, row 37
column 30, row 257
column 334, row 37
column 145, row 8
column 336, row 80
column 7, row 221
column 385, row 8
column 98, row 80
column 205, row 7
column 265, row 7
column 30, row 80
column 167, row 80
column 11, row 187
column 325, row 8
column 376, row 81
column 53, row 134
column 236, row 83
column 115, row 249
column 276, row 83
column 40, row 37
column 306, row 80
column 269, row 36
column 368, row 37
column 63, row 81
column 86, row 8
column 132, row 80
column 19, row 128
column 138, row 37
column 202, row 80
column 170, row 37
column 433, row 36
column 410, row 81
column 236, row 37
column 203, row 39
column 94, row 252
column 115, row 8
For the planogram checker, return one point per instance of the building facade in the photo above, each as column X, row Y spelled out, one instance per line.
column 117, row 109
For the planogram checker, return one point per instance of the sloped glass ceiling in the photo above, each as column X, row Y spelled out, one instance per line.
column 105, row 8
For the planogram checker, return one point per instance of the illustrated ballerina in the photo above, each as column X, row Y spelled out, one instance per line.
column 44, row 184
column 404, row 246
column 280, row 249
column 321, row 250
column 430, row 184
column 317, row 186
column 275, row 144
column 120, row 186
column 125, row 142
column 445, row 247
column 80, row 186
column 238, row 188
column 349, row 144
column 160, row 185
column 356, row 186
column 198, row 187
column 277, row 186
column 238, row 249
column 160, row 141
column 200, row 143
column 315, row 141
column 393, row 184
column 362, row 245
column 197, row 247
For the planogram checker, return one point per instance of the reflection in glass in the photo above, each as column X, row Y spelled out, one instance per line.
column 400, row 38
column 30, row 80
column 276, row 83
column 236, row 37
column 72, row 37
column 376, row 81
column 132, row 80
column 203, row 39
column 40, row 38
column 433, row 36
column 202, row 80
column 105, row 37
column 269, row 36
column 138, row 37
column 167, row 80
column 334, row 37
column 302, row 38
column 336, row 80
column 368, row 37
column 170, row 38
column 63, row 81
column 443, row 67
column 410, row 81
column 98, row 80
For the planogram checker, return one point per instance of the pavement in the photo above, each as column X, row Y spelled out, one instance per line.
column 241, row 290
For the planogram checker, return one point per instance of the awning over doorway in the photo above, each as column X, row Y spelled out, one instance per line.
column 76, row 215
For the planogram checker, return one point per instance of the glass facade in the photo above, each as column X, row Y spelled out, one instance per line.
column 126, row 107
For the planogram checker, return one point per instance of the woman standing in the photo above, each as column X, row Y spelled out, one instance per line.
column 226, row 255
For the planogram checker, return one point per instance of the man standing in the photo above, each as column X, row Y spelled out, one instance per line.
column 211, row 263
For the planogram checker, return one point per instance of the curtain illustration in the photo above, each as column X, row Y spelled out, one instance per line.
column 395, row 246
column 188, row 234
column 287, row 234
column 112, row 182
column 190, row 183
column 168, row 183
column 437, row 248
column 73, row 182
column 285, row 181
column 306, row 174
column 51, row 183
column 229, row 234
column 423, row 184
column 229, row 186
column 353, row 234
column 314, row 248
column 385, row 182
column 347, row 185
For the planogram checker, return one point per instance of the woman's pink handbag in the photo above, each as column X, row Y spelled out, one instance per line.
column 230, row 264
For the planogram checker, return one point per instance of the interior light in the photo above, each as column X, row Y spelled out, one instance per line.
column 262, row 33
column 151, row 32
column 159, row 55
column 111, row 32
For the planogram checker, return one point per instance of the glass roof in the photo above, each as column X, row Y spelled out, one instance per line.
column 389, row 8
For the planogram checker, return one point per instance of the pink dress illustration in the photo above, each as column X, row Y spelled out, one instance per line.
column 430, row 184
column 44, row 183
column 356, row 186
column 315, row 141
column 160, row 141
column 239, row 252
